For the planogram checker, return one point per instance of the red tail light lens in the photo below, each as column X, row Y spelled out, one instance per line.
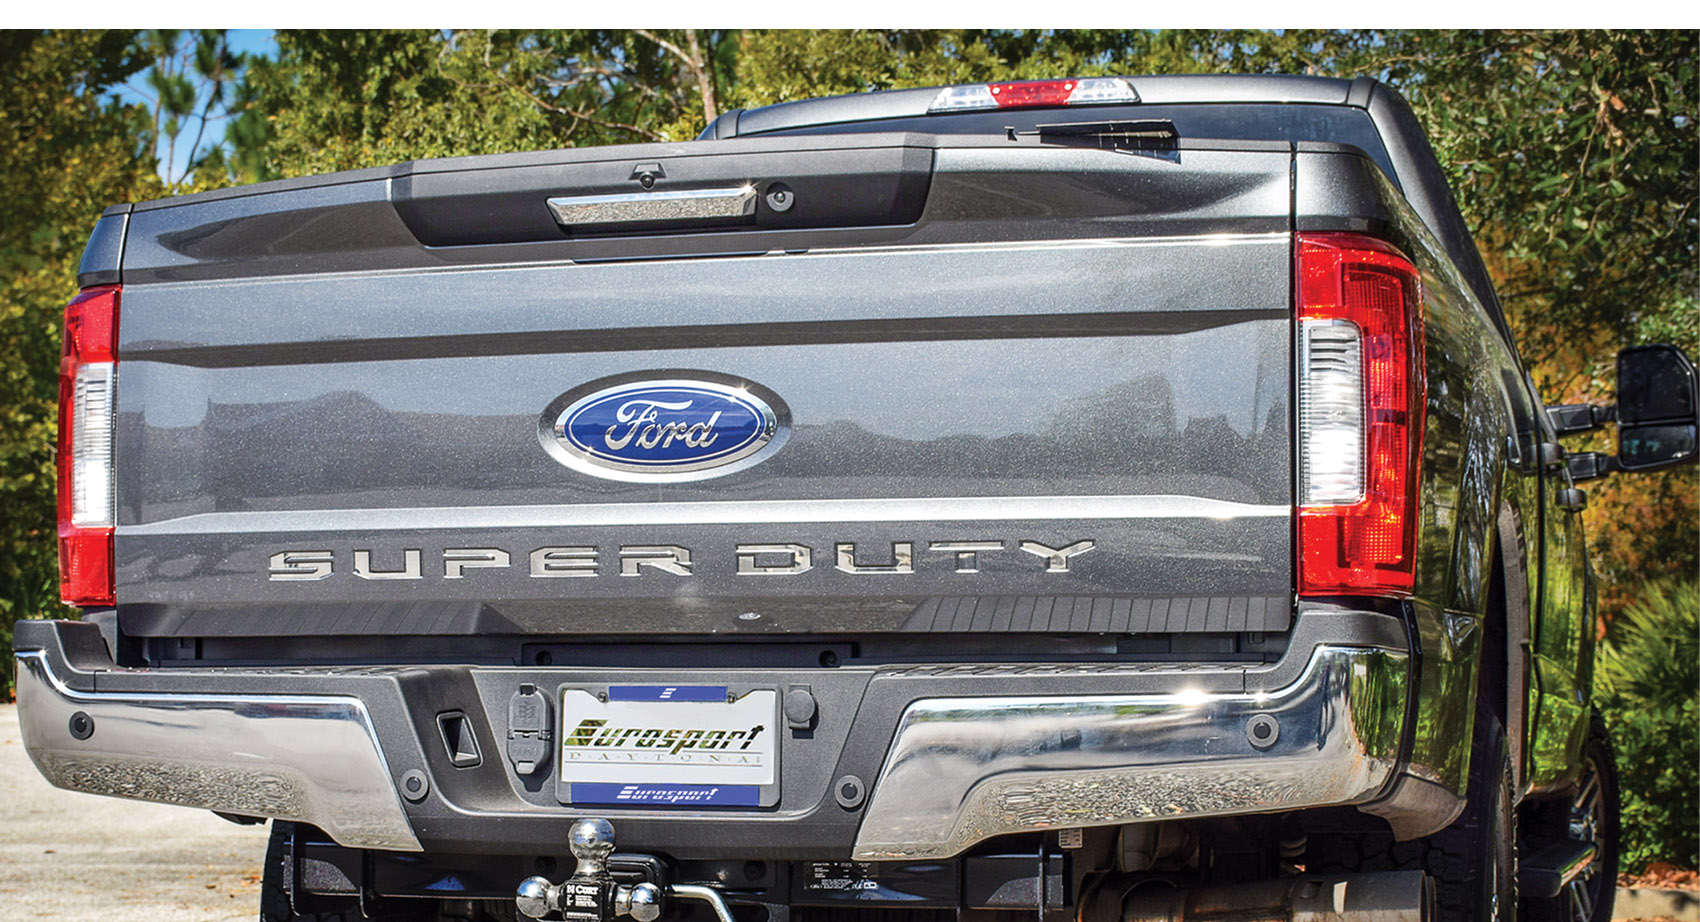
column 1361, row 400
column 1032, row 93
column 88, row 378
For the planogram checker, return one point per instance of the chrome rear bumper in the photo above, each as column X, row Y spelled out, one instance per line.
column 310, row 758
column 965, row 769
column 305, row 745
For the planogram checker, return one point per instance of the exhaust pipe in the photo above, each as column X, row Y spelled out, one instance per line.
column 1392, row 896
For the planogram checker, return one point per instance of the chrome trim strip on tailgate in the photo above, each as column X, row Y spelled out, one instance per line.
column 962, row 770
column 742, row 512
column 310, row 758
column 642, row 207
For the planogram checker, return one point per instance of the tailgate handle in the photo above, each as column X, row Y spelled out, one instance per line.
column 654, row 207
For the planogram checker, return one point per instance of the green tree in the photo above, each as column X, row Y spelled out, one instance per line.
column 195, row 83
column 349, row 99
column 1649, row 668
column 67, row 154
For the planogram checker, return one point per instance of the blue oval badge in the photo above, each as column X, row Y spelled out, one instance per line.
column 686, row 426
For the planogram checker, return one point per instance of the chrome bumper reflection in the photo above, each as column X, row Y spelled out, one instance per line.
column 965, row 769
column 310, row 758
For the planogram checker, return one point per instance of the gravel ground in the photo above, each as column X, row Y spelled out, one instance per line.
column 70, row 856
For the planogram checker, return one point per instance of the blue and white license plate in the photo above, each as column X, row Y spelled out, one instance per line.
column 669, row 746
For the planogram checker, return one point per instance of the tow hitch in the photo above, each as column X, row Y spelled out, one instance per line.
column 592, row 895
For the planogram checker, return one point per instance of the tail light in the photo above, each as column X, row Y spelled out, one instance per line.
column 88, row 377
column 1360, row 416
column 1027, row 94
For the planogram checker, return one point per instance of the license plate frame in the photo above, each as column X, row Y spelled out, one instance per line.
column 703, row 746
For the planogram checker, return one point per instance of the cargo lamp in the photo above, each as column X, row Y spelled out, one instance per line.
column 1029, row 94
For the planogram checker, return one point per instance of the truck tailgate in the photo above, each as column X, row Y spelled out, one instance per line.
column 1057, row 401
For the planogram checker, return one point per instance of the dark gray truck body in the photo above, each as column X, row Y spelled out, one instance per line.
column 980, row 339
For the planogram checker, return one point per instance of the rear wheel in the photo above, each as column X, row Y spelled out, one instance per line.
column 1473, row 862
column 1591, row 816
column 1477, row 878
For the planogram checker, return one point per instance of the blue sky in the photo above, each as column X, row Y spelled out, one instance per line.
column 259, row 42
column 254, row 41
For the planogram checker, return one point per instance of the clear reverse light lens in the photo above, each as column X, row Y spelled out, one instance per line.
column 1102, row 90
column 956, row 98
column 91, row 454
column 1331, row 414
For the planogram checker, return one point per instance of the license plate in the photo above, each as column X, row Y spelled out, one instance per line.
column 669, row 746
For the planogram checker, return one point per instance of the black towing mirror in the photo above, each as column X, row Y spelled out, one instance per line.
column 1658, row 408
column 1657, row 415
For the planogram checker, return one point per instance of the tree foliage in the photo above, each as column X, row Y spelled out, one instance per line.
column 1649, row 667
column 343, row 100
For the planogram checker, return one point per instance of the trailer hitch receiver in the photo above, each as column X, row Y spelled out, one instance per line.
column 592, row 895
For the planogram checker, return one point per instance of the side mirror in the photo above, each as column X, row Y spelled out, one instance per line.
column 1658, row 408
column 1586, row 465
column 1571, row 418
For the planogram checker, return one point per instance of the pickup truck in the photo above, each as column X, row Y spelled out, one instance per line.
column 1111, row 499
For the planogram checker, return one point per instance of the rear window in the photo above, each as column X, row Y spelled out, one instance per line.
column 1293, row 122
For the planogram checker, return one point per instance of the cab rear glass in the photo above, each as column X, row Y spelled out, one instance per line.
column 1291, row 122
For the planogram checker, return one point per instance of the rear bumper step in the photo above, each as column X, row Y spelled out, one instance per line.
column 955, row 755
column 1544, row 874
column 963, row 769
column 310, row 758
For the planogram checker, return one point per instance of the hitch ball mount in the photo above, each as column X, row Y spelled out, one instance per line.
column 591, row 895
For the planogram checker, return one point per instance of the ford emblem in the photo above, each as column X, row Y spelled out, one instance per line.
column 664, row 427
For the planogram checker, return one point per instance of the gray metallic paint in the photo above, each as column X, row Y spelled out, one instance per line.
column 1035, row 353
column 105, row 250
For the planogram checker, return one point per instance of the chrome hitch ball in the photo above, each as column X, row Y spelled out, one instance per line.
column 590, row 895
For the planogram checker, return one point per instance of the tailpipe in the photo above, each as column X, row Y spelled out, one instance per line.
column 1391, row 896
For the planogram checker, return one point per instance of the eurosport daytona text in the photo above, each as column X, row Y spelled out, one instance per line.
column 595, row 735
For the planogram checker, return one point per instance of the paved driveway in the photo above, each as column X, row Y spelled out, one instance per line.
column 74, row 856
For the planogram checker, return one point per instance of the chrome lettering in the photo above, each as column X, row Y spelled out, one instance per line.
column 667, row 558
column 300, row 565
column 781, row 559
column 559, row 562
column 967, row 552
column 1057, row 558
column 409, row 566
column 457, row 560
column 642, row 422
column 902, row 559
column 801, row 559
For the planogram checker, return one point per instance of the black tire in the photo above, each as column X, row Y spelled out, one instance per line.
column 1590, row 815
column 1473, row 862
column 1490, row 896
